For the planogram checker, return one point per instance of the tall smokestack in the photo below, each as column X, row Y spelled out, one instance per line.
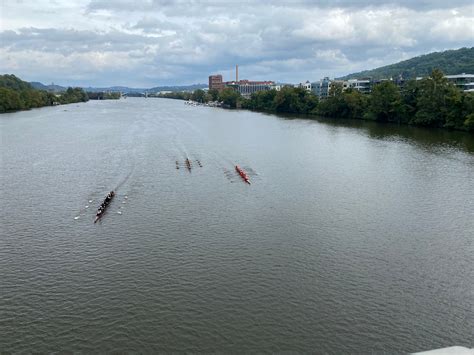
column 237, row 72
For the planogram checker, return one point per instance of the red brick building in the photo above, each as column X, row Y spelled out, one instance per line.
column 215, row 82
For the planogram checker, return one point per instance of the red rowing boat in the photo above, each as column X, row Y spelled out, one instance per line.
column 242, row 174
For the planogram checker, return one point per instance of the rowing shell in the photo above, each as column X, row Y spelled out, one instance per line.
column 242, row 174
column 99, row 215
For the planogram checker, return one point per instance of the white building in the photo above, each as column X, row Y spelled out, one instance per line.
column 248, row 87
column 362, row 85
column 463, row 81
column 306, row 86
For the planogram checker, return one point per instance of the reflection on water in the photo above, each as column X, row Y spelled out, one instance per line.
column 354, row 237
column 429, row 138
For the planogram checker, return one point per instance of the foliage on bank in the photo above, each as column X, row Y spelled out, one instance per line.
column 103, row 95
column 16, row 94
column 430, row 102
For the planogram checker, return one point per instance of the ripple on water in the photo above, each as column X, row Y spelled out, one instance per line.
column 343, row 250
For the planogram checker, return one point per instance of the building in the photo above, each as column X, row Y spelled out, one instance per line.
column 247, row 87
column 279, row 86
column 321, row 88
column 364, row 86
column 463, row 81
column 215, row 82
column 306, row 86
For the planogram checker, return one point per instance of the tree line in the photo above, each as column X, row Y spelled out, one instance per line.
column 100, row 95
column 16, row 94
column 432, row 102
column 229, row 97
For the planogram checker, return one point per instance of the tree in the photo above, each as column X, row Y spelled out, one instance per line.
column 385, row 103
column 469, row 122
column 262, row 100
column 10, row 81
column 229, row 97
column 308, row 100
column 294, row 100
column 355, row 103
column 468, row 111
column 334, row 105
column 431, row 100
column 286, row 100
column 214, row 93
column 73, row 95
column 198, row 95
column 410, row 92
column 10, row 100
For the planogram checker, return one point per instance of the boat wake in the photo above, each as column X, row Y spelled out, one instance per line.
column 125, row 179
column 84, row 209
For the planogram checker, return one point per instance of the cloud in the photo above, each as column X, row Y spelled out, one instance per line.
column 154, row 42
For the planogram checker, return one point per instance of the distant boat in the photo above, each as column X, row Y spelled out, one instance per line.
column 242, row 174
column 103, row 206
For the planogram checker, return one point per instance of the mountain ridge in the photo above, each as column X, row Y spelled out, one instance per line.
column 117, row 88
column 453, row 61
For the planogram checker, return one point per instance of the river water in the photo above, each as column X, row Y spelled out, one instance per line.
column 352, row 238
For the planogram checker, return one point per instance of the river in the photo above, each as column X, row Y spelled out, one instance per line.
column 353, row 237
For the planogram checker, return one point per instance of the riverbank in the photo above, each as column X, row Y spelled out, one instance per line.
column 431, row 102
column 18, row 95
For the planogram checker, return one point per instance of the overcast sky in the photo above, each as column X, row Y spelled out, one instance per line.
column 157, row 42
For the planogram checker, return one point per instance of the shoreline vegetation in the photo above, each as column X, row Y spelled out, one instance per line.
column 429, row 102
column 18, row 95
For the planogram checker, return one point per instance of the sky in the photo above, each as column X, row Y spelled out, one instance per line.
column 151, row 43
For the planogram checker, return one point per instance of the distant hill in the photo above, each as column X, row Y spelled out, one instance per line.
column 16, row 94
column 126, row 89
column 10, row 81
column 51, row 88
column 450, row 62
column 178, row 88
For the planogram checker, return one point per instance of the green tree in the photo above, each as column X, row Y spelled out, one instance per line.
column 435, row 95
column 410, row 92
column 468, row 111
column 262, row 100
column 385, row 103
column 229, row 97
column 214, row 93
column 294, row 100
column 334, row 105
column 198, row 95
column 10, row 100
column 286, row 100
column 10, row 81
column 469, row 122
column 73, row 95
column 355, row 104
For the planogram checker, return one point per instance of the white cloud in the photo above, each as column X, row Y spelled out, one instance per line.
column 155, row 42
